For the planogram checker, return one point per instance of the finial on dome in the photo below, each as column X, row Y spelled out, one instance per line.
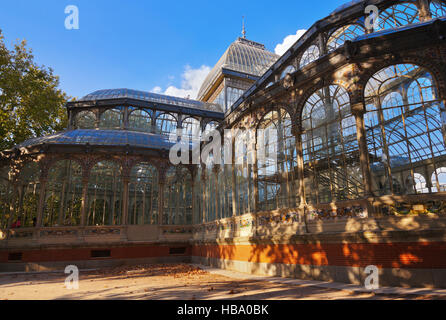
column 243, row 30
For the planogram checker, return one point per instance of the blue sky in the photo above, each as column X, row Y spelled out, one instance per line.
column 163, row 46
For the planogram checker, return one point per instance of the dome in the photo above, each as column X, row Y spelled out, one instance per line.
column 102, row 138
column 108, row 94
column 242, row 56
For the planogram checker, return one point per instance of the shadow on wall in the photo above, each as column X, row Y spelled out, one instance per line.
column 406, row 264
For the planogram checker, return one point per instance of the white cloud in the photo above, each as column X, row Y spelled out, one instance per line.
column 281, row 48
column 157, row 89
column 192, row 80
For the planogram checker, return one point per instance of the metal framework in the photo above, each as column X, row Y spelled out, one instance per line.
column 361, row 123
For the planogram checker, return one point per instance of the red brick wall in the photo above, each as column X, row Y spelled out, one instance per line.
column 130, row 252
column 384, row 255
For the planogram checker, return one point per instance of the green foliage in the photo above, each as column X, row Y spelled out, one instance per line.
column 31, row 104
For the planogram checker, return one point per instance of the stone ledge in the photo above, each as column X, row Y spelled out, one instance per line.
column 432, row 235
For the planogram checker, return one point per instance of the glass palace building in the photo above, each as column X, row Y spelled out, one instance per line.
column 359, row 176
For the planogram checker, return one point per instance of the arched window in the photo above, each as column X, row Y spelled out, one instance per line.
column 85, row 120
column 111, row 119
column 213, row 125
column 404, row 126
column 420, row 90
column 339, row 36
column 214, row 193
column 198, row 194
column 211, row 205
column 27, row 199
column 225, row 180
column 398, row 15
column 287, row 70
column 6, row 193
column 438, row 9
column 166, row 124
column 224, row 184
column 63, row 195
column 104, row 194
column 330, row 149
column 420, row 183
column 310, row 55
column 276, row 156
column 243, row 167
column 178, row 197
column 439, row 180
column 143, row 195
column 192, row 130
column 140, row 120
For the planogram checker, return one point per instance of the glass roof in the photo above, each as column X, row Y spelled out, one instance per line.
column 103, row 138
column 401, row 16
column 242, row 56
column 393, row 30
column 150, row 97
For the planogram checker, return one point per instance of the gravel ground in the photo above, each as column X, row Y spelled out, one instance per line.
column 167, row 282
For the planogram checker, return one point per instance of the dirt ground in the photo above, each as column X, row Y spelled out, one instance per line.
column 161, row 282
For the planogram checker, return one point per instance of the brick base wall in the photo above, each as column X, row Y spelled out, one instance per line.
column 416, row 255
column 45, row 259
column 409, row 264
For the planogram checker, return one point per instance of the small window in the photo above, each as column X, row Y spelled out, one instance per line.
column 100, row 253
column 310, row 55
column 15, row 256
column 178, row 250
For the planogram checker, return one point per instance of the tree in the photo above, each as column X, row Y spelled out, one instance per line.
column 31, row 105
